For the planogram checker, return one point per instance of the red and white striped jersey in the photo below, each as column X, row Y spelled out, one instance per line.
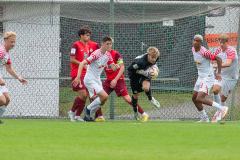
column 203, row 59
column 4, row 58
column 97, row 61
column 231, row 72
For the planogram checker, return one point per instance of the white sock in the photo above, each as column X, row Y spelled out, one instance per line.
column 217, row 98
column 2, row 110
column 94, row 105
column 217, row 105
column 203, row 114
column 144, row 114
column 223, row 103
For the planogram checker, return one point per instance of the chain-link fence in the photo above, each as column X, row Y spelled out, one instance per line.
column 47, row 29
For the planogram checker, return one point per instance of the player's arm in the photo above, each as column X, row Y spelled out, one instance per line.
column 230, row 57
column 73, row 60
column 219, row 67
column 207, row 54
column 13, row 73
column 77, row 80
column 2, row 82
column 73, row 55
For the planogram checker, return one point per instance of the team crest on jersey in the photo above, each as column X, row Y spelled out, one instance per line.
column 135, row 66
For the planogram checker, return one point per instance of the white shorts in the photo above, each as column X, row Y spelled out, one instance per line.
column 94, row 86
column 3, row 89
column 204, row 85
column 227, row 85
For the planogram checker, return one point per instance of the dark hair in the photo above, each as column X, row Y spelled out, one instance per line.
column 107, row 38
column 84, row 30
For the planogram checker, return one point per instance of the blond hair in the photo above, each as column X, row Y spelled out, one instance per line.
column 7, row 35
column 223, row 37
column 153, row 50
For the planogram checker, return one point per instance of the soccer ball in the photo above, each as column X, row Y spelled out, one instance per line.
column 153, row 71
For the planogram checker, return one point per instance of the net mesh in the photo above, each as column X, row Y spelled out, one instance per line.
column 47, row 29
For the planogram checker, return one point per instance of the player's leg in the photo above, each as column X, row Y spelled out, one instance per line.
column 2, row 105
column 99, row 115
column 201, row 97
column 79, row 102
column 136, row 87
column 102, row 96
column 216, row 89
column 199, row 106
column 146, row 86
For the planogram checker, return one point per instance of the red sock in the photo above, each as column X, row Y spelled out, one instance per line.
column 140, row 110
column 81, row 105
column 98, row 113
column 75, row 104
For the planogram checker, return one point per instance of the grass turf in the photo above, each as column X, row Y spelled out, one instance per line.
column 118, row 140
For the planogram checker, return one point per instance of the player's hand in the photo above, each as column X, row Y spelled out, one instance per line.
column 22, row 80
column 2, row 82
column 113, row 83
column 76, row 82
column 218, row 76
column 151, row 73
column 115, row 67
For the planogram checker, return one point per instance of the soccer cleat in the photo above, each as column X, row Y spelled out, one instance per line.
column 204, row 120
column 71, row 115
column 88, row 119
column 224, row 112
column 217, row 117
column 155, row 102
column 136, row 117
column 100, row 119
column 145, row 117
column 79, row 119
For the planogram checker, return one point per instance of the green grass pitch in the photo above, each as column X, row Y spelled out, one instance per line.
column 118, row 140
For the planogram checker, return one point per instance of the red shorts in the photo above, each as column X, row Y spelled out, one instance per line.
column 77, row 88
column 120, row 88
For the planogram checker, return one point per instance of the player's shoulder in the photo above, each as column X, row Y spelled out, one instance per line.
column 141, row 56
column 92, row 43
column 77, row 44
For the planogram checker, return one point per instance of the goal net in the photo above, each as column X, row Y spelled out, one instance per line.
column 46, row 30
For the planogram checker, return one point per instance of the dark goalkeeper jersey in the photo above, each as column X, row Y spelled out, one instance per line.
column 140, row 62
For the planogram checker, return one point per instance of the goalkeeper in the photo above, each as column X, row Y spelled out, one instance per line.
column 140, row 73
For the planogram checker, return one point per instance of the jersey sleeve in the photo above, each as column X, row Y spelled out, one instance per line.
column 73, row 51
column 230, row 54
column 208, row 54
column 118, row 58
column 91, row 58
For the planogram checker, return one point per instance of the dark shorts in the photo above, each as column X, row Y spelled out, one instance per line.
column 77, row 88
column 120, row 88
column 136, row 83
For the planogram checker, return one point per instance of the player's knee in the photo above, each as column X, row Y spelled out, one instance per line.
column 146, row 88
column 7, row 101
column 199, row 99
column 194, row 98
column 223, row 98
column 3, row 101
column 104, row 99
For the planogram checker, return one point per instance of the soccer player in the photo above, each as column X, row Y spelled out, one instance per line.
column 140, row 77
column 204, row 83
column 9, row 43
column 80, row 50
column 229, row 72
column 115, row 82
column 97, row 61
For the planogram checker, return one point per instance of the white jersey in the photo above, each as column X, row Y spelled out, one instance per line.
column 203, row 59
column 97, row 61
column 231, row 72
column 4, row 58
